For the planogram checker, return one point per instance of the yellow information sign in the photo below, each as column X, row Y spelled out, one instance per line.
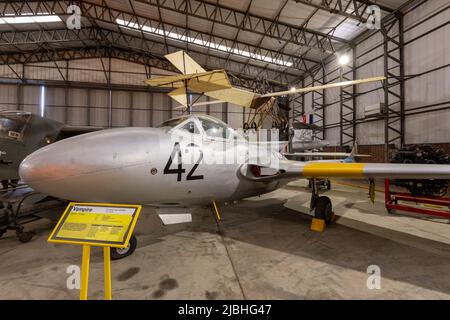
column 97, row 224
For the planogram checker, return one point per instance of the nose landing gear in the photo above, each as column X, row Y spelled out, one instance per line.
column 117, row 253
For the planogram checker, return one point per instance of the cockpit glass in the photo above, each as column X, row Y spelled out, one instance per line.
column 12, row 126
column 213, row 128
column 217, row 129
column 172, row 122
column 190, row 127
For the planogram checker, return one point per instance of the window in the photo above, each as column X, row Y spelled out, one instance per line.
column 172, row 122
column 13, row 125
column 214, row 129
column 190, row 127
column 217, row 129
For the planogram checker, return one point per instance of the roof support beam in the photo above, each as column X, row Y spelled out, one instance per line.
column 233, row 17
column 9, row 41
column 16, row 58
column 104, row 13
column 353, row 9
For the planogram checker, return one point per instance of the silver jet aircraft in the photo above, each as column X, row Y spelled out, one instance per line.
column 186, row 161
column 192, row 160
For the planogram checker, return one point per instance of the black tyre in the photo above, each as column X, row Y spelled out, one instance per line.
column 25, row 236
column 328, row 185
column 324, row 209
column 117, row 253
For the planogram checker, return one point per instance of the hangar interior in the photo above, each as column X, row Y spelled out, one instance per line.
column 94, row 76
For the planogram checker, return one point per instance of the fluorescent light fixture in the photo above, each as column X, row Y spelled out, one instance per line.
column 293, row 89
column 29, row 18
column 344, row 59
column 200, row 42
column 42, row 101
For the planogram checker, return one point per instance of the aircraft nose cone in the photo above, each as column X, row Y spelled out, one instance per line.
column 27, row 169
column 48, row 163
column 88, row 167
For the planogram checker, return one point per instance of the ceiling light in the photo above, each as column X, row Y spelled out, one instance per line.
column 344, row 59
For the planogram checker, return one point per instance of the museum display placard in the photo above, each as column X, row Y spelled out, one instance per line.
column 100, row 224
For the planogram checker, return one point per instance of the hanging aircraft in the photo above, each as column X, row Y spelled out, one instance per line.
column 191, row 160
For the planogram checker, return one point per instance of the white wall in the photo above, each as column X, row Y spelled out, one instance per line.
column 426, row 53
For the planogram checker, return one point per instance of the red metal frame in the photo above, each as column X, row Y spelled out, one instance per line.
column 391, row 199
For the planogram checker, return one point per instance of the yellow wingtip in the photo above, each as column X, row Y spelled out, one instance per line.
column 322, row 169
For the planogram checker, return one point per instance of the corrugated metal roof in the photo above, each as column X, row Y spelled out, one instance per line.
column 275, row 13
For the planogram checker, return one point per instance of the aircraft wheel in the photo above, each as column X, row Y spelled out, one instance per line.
column 14, row 182
column 324, row 209
column 328, row 185
column 25, row 236
column 117, row 253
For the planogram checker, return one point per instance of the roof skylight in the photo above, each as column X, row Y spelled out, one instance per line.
column 200, row 42
column 29, row 18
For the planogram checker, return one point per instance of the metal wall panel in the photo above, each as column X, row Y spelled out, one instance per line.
column 142, row 109
column 98, row 106
column 332, row 104
column 198, row 109
column 11, row 71
column 430, row 128
column 121, row 112
column 124, row 72
column 55, row 104
column 218, row 111
column 31, row 99
column 8, row 97
column 46, row 70
column 88, row 70
column 77, row 107
column 162, row 108
column 426, row 53
column 235, row 116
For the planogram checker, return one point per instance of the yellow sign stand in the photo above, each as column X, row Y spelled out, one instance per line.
column 96, row 224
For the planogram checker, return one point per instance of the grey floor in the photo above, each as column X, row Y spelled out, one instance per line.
column 263, row 249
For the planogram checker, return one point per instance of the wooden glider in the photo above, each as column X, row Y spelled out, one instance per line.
column 215, row 84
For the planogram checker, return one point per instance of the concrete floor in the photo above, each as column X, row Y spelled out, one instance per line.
column 264, row 250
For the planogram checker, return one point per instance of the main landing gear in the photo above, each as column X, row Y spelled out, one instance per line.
column 321, row 205
column 117, row 253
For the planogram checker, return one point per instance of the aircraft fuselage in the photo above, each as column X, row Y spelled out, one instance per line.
column 143, row 166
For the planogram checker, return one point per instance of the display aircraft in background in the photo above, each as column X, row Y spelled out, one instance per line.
column 193, row 159
column 21, row 133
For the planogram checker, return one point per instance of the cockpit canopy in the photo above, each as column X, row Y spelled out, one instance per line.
column 13, row 124
column 202, row 124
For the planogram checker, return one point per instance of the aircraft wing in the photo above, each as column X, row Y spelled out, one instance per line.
column 325, row 154
column 183, row 62
column 365, row 170
column 322, row 87
column 199, row 82
column 215, row 84
column 288, row 169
